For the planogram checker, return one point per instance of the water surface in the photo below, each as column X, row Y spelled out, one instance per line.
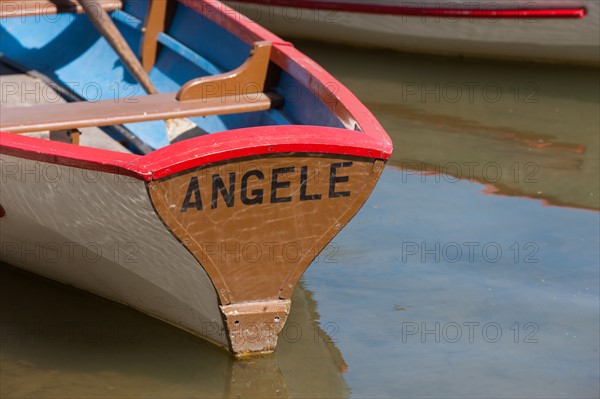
column 472, row 271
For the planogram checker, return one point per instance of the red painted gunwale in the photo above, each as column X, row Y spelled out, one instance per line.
column 435, row 9
column 371, row 141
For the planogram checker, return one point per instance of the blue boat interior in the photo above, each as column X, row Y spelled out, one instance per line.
column 68, row 50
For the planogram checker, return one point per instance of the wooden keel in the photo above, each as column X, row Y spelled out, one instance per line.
column 256, row 224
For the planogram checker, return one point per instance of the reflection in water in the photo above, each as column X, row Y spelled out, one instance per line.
column 59, row 342
column 526, row 130
column 450, row 293
column 442, row 292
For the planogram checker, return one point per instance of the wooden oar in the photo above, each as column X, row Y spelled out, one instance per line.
column 107, row 28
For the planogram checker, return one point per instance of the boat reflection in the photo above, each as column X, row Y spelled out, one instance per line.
column 522, row 129
column 59, row 342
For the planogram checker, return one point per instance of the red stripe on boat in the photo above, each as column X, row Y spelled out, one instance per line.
column 494, row 10
column 200, row 151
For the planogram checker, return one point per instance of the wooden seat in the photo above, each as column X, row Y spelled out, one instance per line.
column 136, row 109
column 237, row 91
column 27, row 8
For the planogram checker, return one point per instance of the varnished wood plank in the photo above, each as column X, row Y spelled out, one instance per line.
column 135, row 109
column 247, row 79
column 153, row 26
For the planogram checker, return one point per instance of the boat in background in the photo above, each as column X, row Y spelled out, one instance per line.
column 528, row 131
column 541, row 31
column 209, row 232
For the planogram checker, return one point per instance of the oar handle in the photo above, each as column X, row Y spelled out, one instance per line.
column 110, row 32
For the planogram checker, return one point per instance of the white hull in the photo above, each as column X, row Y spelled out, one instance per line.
column 546, row 40
column 99, row 232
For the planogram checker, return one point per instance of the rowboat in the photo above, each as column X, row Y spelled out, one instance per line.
column 540, row 31
column 208, row 229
